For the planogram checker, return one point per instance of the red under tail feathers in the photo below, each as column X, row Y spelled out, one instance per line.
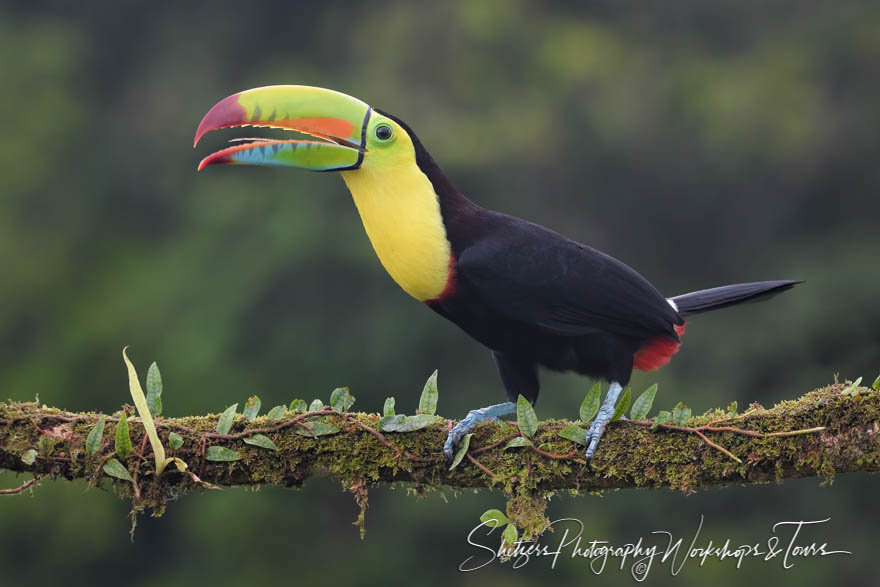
column 657, row 352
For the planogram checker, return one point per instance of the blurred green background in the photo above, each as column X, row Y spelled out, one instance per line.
column 701, row 143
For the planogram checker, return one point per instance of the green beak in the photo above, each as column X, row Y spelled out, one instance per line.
column 335, row 118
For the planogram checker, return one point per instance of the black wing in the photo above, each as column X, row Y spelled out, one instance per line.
column 534, row 275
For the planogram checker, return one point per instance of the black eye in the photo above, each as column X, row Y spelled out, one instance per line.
column 383, row 132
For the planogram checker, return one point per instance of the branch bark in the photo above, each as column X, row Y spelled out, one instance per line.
column 631, row 454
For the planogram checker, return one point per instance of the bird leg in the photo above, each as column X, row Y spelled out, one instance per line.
column 602, row 418
column 473, row 418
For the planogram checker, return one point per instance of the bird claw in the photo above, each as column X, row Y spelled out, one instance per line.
column 594, row 435
column 452, row 439
column 460, row 430
column 473, row 418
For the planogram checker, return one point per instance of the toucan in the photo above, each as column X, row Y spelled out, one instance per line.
column 533, row 297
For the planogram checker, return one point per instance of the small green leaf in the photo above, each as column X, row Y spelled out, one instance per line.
column 401, row 423
column 526, row 418
column 116, row 469
column 224, row 424
column 681, row 414
column 643, row 403
column 661, row 418
column 175, row 440
column 261, row 441
column 93, row 440
column 336, row 398
column 418, row 421
column 517, row 442
column 179, row 463
column 319, row 428
column 510, row 535
column 123, row 439
column 316, row 406
column 731, row 409
column 341, row 400
column 852, row 389
column 45, row 445
column 391, row 423
column 575, row 434
column 154, row 390
column 428, row 399
column 349, row 402
column 221, row 453
column 388, row 408
column 251, row 407
column 298, row 405
column 494, row 518
column 622, row 405
column 876, row 385
column 276, row 413
column 590, row 405
column 462, row 450
column 29, row 456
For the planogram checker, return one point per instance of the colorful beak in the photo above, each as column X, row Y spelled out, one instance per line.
column 337, row 119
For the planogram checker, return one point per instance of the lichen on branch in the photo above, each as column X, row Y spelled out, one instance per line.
column 51, row 443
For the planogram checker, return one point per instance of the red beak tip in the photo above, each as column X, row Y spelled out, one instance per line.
column 218, row 158
column 227, row 112
column 202, row 131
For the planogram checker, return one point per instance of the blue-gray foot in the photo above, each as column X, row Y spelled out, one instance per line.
column 594, row 434
column 473, row 418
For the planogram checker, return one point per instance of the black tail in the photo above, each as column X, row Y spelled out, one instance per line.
column 706, row 300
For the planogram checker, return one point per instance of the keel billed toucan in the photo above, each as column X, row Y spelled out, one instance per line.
column 532, row 296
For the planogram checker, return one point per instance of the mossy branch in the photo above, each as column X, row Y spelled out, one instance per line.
column 631, row 454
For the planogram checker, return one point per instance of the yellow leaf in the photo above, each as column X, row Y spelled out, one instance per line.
column 140, row 402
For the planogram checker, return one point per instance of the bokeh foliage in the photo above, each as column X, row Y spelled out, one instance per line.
column 702, row 143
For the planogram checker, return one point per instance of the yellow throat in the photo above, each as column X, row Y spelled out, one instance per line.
column 401, row 214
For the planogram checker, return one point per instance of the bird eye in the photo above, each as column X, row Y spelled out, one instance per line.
column 384, row 132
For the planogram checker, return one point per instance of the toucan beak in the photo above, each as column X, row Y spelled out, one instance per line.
column 338, row 120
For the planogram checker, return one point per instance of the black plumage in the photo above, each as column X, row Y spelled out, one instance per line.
column 536, row 298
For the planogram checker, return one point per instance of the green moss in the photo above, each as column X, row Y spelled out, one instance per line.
column 526, row 510
column 630, row 455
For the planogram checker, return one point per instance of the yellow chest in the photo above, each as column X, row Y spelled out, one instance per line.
column 401, row 214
